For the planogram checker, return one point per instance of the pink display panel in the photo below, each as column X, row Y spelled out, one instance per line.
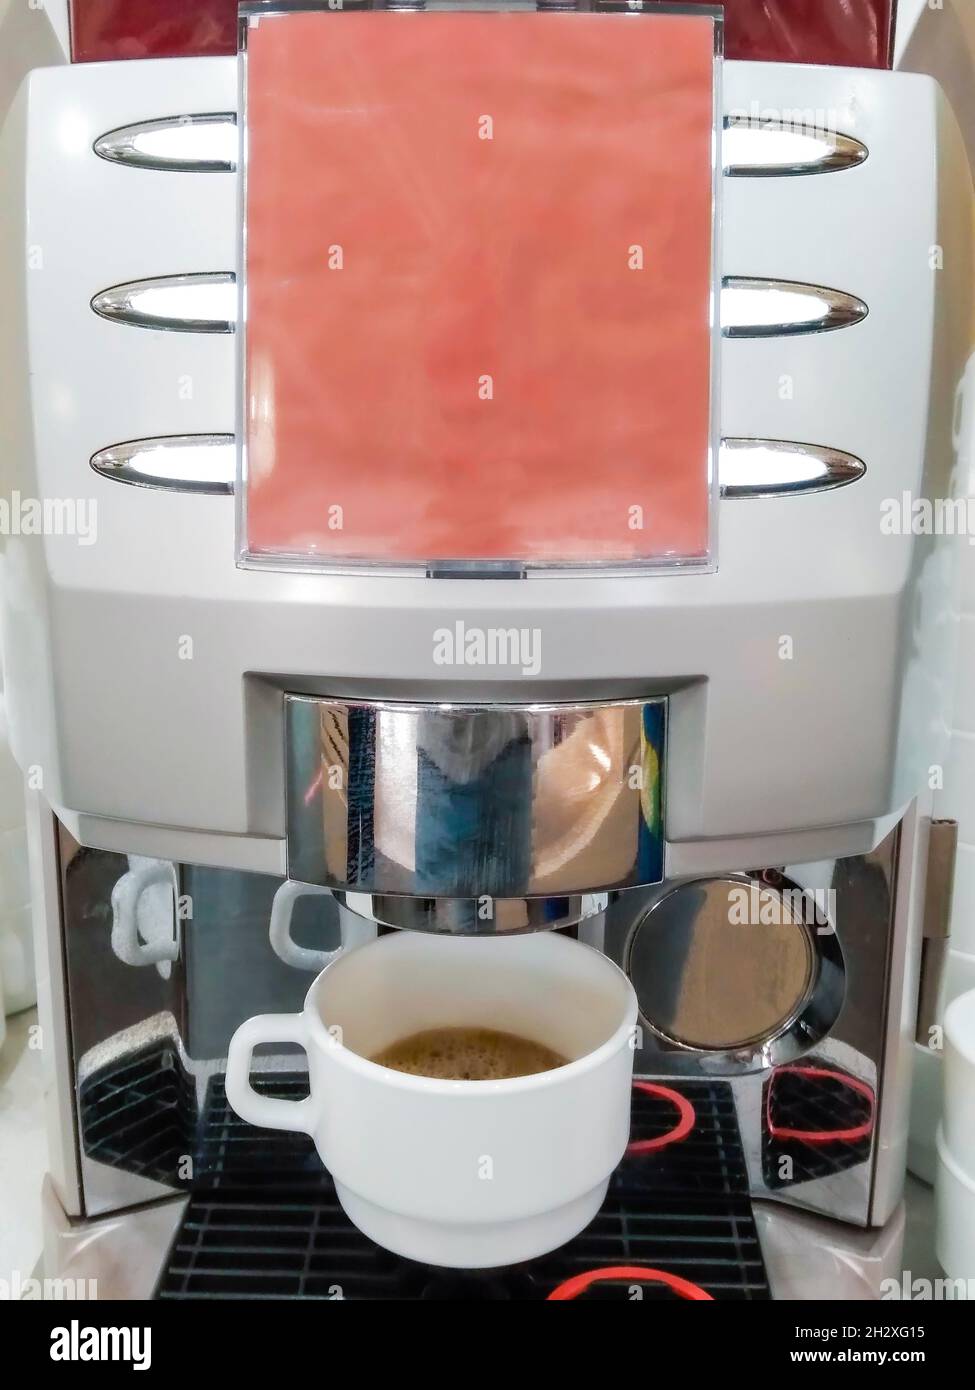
column 479, row 272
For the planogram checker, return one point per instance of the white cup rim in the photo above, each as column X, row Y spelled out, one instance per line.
column 959, row 1025
column 951, row 1163
column 432, row 1085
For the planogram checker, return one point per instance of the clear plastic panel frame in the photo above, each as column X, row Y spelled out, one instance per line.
column 478, row 289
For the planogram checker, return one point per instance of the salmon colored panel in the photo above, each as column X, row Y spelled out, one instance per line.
column 452, row 349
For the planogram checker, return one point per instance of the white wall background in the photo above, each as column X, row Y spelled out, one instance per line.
column 33, row 34
column 29, row 37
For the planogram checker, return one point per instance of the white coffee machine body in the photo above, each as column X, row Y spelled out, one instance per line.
column 161, row 695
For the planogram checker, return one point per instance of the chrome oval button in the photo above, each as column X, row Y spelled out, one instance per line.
column 198, row 303
column 779, row 468
column 756, row 148
column 200, row 144
column 752, row 307
column 178, row 462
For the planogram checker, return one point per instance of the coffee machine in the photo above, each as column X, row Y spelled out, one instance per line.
column 251, row 738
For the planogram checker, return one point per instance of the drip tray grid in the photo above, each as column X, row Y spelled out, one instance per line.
column 263, row 1221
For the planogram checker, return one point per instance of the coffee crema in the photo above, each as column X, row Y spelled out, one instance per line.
column 468, row 1054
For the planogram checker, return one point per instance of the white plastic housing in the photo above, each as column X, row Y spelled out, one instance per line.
column 145, row 672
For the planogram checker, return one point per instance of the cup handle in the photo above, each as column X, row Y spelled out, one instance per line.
column 268, row 1111
column 279, row 932
column 125, row 902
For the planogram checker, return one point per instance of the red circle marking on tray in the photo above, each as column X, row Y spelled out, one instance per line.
column 579, row 1283
column 686, row 1119
column 821, row 1136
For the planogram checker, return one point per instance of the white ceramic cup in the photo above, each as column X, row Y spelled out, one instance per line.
column 954, row 1187
column 958, row 1107
column 469, row 1174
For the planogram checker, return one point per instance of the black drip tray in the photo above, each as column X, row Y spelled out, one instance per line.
column 263, row 1220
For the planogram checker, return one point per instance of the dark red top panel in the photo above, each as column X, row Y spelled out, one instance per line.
column 837, row 33
column 849, row 33
column 105, row 30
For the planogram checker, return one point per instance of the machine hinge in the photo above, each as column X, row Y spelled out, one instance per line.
column 939, row 885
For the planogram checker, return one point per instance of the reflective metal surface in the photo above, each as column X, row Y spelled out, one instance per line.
column 757, row 308
column 810, row 1100
column 204, row 303
column 756, row 148
column 474, row 915
column 147, row 1040
column 779, row 467
column 180, row 462
column 474, row 802
column 148, row 1047
column 717, row 972
column 201, row 144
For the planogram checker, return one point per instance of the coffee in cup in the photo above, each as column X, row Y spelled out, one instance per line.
column 468, row 1054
